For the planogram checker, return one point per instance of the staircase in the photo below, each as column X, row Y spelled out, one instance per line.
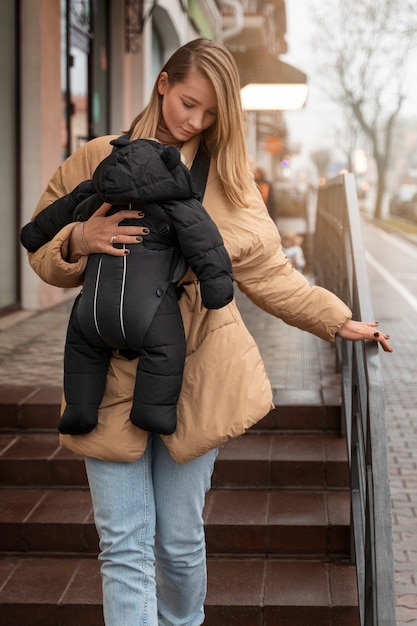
column 277, row 520
column 278, row 524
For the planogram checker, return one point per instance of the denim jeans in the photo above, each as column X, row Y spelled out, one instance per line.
column 148, row 516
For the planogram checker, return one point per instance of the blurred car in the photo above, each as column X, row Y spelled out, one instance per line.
column 404, row 202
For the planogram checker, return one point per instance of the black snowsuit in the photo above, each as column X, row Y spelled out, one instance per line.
column 130, row 303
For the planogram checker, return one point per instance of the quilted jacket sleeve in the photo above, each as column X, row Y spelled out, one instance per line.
column 53, row 218
column 263, row 272
column 279, row 289
column 202, row 246
column 49, row 260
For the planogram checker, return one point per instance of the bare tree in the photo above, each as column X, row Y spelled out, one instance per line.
column 322, row 160
column 364, row 48
column 347, row 135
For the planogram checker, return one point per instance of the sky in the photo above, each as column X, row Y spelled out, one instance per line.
column 309, row 128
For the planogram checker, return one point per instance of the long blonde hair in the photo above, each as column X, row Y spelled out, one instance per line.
column 225, row 139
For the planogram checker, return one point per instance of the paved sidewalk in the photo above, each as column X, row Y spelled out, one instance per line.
column 31, row 348
column 400, row 382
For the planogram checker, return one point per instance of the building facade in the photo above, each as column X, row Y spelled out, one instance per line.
column 76, row 69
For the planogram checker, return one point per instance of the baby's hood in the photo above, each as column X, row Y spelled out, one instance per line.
column 142, row 170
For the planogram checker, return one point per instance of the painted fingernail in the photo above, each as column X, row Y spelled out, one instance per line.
column 376, row 334
column 146, row 231
column 139, row 238
column 141, row 214
column 126, row 251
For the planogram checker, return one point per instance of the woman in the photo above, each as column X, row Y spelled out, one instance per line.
column 148, row 490
column 265, row 187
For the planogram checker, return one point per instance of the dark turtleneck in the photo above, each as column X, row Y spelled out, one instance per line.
column 165, row 137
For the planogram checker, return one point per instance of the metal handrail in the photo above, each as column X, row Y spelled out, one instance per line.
column 341, row 268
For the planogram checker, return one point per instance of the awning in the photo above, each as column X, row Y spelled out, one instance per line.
column 269, row 84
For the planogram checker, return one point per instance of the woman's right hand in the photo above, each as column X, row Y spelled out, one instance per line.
column 101, row 231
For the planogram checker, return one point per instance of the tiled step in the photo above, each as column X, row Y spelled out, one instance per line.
column 48, row 591
column 267, row 459
column 270, row 592
column 290, row 415
column 38, row 407
column 29, row 407
column 37, row 459
column 277, row 520
column 57, row 521
column 53, row 521
column 259, row 459
column 249, row 592
column 278, row 523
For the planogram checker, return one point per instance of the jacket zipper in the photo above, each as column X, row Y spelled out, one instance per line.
column 122, row 294
column 95, row 297
column 123, row 289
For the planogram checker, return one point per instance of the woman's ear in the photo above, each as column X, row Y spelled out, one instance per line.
column 163, row 83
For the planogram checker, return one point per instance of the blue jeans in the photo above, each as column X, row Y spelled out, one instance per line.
column 148, row 516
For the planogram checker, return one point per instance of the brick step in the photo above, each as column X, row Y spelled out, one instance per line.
column 239, row 521
column 250, row 592
column 259, row 459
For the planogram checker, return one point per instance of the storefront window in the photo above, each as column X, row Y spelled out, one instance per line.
column 77, row 44
column 99, row 121
column 84, row 71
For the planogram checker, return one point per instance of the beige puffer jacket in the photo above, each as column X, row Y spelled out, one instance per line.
column 225, row 387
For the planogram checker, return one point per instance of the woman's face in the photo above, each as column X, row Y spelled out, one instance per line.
column 188, row 107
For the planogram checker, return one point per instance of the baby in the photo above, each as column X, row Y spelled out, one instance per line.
column 129, row 303
column 291, row 246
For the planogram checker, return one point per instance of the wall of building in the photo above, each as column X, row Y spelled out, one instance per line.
column 40, row 121
column 8, row 153
column 131, row 77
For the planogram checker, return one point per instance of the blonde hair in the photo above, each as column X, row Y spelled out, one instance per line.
column 225, row 139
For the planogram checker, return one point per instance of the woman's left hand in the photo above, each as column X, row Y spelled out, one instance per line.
column 355, row 331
